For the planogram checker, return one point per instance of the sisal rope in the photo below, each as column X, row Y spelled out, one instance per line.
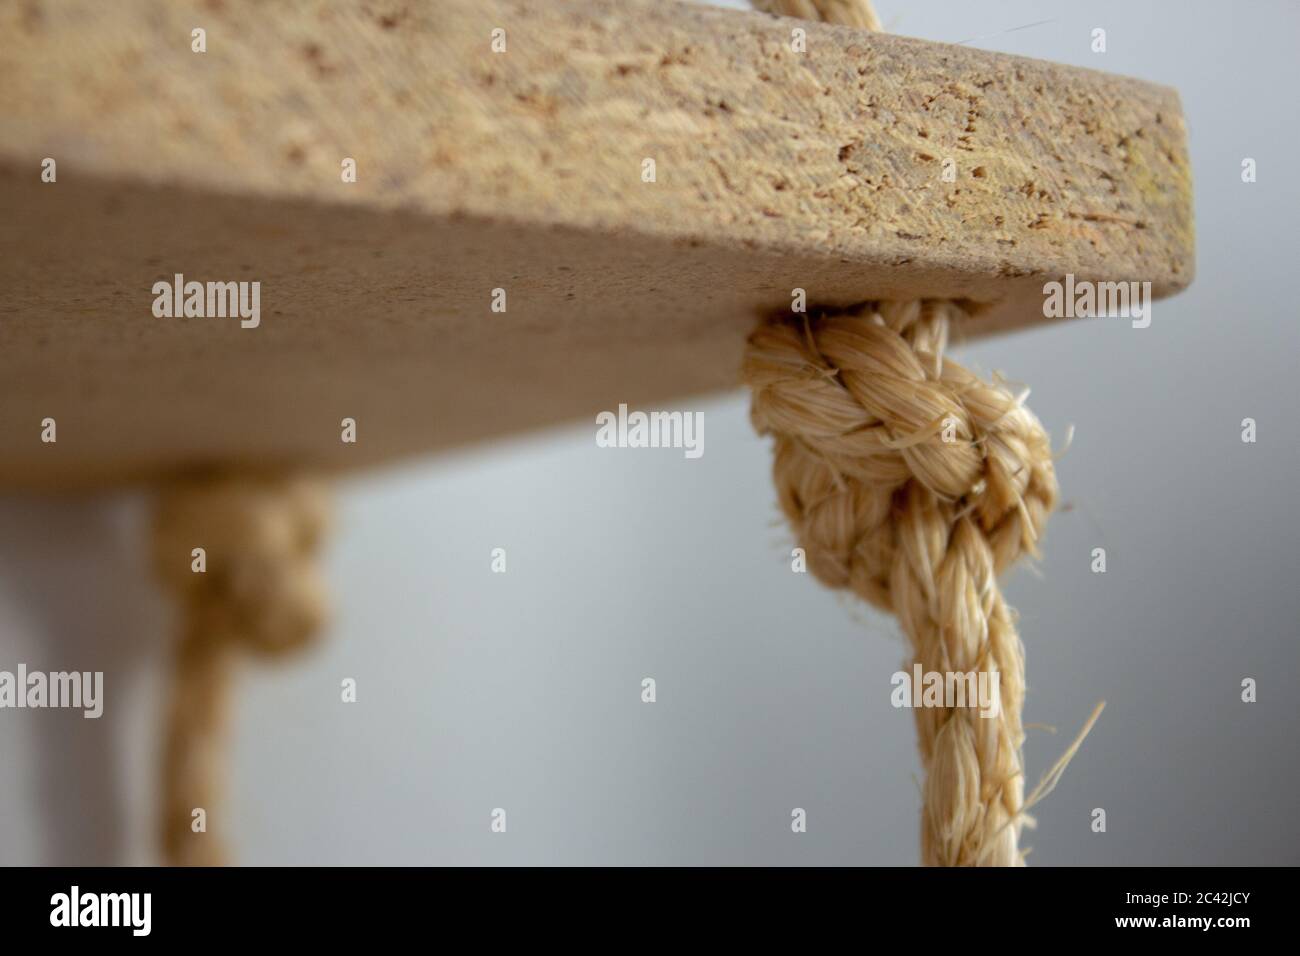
column 260, row 592
column 913, row 483
column 917, row 526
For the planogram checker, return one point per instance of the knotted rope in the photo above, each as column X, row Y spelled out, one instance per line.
column 914, row 483
column 860, row 406
column 260, row 592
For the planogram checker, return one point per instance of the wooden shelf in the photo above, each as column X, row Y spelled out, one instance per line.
column 520, row 170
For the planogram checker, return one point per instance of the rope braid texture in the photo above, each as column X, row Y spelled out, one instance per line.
column 261, row 592
column 860, row 405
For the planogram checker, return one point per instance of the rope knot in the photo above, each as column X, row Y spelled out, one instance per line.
column 261, row 587
column 864, row 402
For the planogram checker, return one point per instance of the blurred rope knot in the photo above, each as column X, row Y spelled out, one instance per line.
column 258, row 589
column 261, row 587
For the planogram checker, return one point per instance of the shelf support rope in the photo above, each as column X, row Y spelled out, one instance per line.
column 913, row 483
column 238, row 555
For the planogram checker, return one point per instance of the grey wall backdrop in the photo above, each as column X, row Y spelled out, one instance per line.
column 522, row 690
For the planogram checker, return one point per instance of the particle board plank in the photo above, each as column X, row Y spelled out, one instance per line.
column 519, row 170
